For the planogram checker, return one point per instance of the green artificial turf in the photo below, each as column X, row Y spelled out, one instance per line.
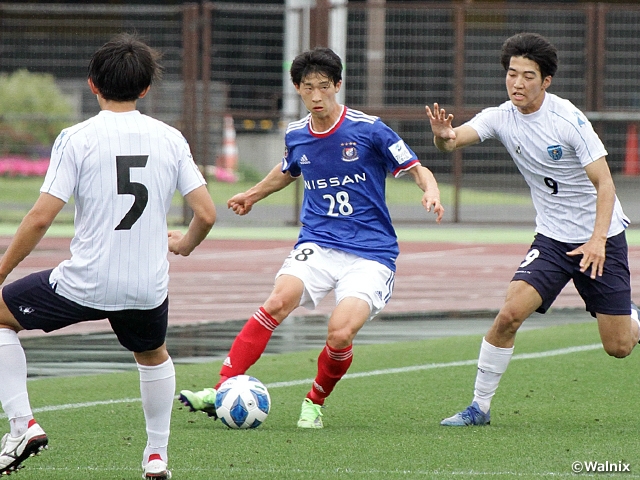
column 381, row 422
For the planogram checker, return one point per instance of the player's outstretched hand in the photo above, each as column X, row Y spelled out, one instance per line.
column 432, row 203
column 240, row 204
column 440, row 122
column 176, row 244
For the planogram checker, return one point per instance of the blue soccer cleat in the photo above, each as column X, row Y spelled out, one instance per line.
column 471, row 416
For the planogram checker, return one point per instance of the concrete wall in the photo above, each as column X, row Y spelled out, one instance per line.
column 260, row 151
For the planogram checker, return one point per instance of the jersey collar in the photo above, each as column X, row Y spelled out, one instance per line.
column 333, row 128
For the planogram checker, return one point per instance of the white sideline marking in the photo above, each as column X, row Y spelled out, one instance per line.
column 431, row 366
column 386, row 371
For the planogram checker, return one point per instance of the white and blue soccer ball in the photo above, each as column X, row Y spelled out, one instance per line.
column 242, row 402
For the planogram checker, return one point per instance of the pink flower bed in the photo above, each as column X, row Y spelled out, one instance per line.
column 23, row 167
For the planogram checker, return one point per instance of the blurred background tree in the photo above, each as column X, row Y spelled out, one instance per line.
column 33, row 110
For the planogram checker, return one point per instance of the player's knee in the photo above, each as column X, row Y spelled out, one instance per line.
column 340, row 338
column 508, row 321
column 152, row 357
column 619, row 348
column 279, row 307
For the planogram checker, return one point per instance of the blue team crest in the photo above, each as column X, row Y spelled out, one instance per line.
column 555, row 151
column 349, row 153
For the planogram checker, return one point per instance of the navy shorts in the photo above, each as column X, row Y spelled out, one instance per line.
column 548, row 268
column 36, row 305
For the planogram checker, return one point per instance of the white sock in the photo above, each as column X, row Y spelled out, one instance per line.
column 492, row 363
column 157, row 389
column 13, row 382
column 634, row 317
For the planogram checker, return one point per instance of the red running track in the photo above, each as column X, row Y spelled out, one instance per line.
column 229, row 279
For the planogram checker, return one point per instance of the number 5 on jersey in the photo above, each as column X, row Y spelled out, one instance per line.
column 124, row 164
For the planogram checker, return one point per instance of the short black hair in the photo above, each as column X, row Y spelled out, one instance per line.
column 534, row 47
column 320, row 60
column 123, row 67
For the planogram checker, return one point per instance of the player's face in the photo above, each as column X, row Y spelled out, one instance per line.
column 525, row 84
column 319, row 96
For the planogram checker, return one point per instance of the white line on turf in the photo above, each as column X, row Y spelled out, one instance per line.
column 386, row 371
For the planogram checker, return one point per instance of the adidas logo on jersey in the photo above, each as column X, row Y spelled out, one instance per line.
column 304, row 160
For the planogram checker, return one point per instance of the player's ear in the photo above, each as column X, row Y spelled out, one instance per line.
column 93, row 88
column 546, row 82
column 338, row 85
column 144, row 92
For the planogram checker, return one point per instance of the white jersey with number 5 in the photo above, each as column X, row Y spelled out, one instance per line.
column 551, row 148
column 122, row 170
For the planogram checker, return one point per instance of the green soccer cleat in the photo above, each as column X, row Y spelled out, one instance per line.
column 202, row 401
column 310, row 416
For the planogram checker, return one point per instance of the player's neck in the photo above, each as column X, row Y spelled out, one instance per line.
column 117, row 107
column 324, row 124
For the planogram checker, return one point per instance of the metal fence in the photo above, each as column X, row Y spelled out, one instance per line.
column 398, row 58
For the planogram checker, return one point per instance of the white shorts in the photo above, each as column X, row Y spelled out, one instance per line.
column 325, row 269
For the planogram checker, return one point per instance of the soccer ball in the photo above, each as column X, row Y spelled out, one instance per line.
column 242, row 402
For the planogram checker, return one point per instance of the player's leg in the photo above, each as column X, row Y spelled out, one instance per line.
column 335, row 358
column 26, row 437
column 542, row 275
column 361, row 293
column 619, row 333
column 251, row 342
column 157, row 389
column 521, row 301
column 143, row 332
column 301, row 281
column 608, row 297
column 497, row 346
column 496, row 351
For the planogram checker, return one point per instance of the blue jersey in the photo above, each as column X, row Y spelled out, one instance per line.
column 344, row 172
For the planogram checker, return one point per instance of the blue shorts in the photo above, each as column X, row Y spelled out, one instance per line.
column 548, row 268
column 36, row 305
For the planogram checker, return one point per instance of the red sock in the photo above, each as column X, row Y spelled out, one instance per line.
column 248, row 345
column 332, row 365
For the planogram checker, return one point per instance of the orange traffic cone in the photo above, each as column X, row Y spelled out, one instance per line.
column 227, row 163
column 631, row 163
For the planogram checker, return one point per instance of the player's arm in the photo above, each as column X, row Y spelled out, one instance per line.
column 427, row 182
column 31, row 230
column 204, row 216
column 593, row 252
column 275, row 180
column 445, row 137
